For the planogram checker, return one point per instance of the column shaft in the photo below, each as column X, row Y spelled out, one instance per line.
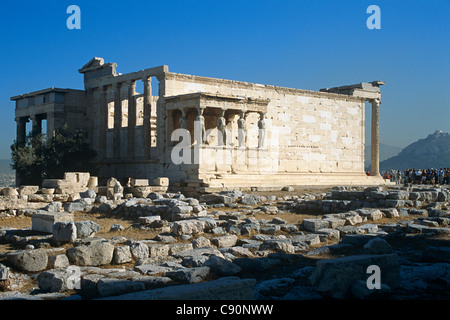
column 36, row 125
column 117, row 120
column 103, row 127
column 50, row 124
column 375, row 139
column 147, row 116
column 131, row 118
column 21, row 130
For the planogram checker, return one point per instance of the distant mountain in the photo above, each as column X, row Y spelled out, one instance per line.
column 386, row 152
column 430, row 152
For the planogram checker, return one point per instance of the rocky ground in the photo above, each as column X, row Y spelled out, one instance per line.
column 311, row 244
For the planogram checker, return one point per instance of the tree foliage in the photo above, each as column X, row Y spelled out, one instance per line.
column 44, row 157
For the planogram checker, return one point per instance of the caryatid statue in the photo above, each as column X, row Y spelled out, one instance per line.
column 183, row 120
column 261, row 130
column 242, row 129
column 201, row 125
column 221, row 127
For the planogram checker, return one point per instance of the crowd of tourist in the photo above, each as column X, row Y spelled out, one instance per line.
column 419, row 176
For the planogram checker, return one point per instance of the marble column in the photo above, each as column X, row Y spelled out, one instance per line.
column 50, row 124
column 147, row 116
column 36, row 125
column 117, row 120
column 103, row 126
column 375, row 139
column 131, row 119
column 21, row 130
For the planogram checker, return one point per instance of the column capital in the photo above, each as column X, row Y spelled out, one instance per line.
column 22, row 119
column 147, row 79
column 376, row 101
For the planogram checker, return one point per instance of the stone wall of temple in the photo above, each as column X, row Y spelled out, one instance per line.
column 239, row 134
column 307, row 131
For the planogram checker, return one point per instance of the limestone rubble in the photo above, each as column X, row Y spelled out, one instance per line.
column 216, row 238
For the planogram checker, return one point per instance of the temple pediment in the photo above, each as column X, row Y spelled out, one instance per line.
column 93, row 64
column 97, row 68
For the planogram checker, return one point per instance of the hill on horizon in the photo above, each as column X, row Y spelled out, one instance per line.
column 430, row 152
column 386, row 152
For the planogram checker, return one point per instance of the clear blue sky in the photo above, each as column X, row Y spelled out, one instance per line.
column 300, row 44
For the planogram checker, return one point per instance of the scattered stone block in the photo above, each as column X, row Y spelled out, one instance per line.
column 201, row 242
column 114, row 287
column 27, row 190
column 158, row 250
column 122, row 254
column 60, row 280
column 64, row 231
column 161, row 181
column 4, row 272
column 86, row 229
column 116, row 227
column 357, row 240
column 189, row 275
column 188, row 227
column 278, row 245
column 9, row 192
column 221, row 267
column 334, row 277
column 331, row 234
column 152, row 269
column 43, row 221
column 88, row 194
column 89, row 285
column 54, row 206
column 139, row 250
column 139, row 182
column 377, row 246
column 335, row 222
column 58, row 261
column 226, row 288
column 314, row 224
column 224, row 241
column 72, row 207
column 29, row 260
column 391, row 213
column 309, row 239
column 367, row 228
column 353, row 219
column 96, row 254
column 370, row 214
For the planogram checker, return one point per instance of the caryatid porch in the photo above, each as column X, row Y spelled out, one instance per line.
column 223, row 133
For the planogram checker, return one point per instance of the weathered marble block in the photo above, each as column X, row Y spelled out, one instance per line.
column 44, row 221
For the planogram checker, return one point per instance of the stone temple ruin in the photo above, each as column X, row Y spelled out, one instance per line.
column 242, row 135
column 203, row 237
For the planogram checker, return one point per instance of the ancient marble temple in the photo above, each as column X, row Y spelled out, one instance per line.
column 213, row 134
